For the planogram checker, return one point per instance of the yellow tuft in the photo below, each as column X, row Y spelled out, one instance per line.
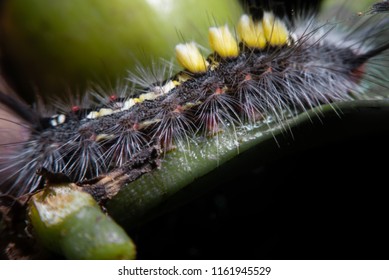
column 103, row 137
column 128, row 104
column 105, row 112
column 189, row 56
column 92, row 115
column 276, row 32
column 147, row 96
column 222, row 41
column 251, row 33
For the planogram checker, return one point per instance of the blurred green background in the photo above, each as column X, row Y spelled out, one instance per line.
column 52, row 48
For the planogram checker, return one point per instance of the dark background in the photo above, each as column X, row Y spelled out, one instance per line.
column 319, row 197
column 280, row 7
column 322, row 194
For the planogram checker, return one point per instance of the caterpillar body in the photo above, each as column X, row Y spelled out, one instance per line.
column 265, row 70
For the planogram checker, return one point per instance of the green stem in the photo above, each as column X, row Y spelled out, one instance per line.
column 193, row 169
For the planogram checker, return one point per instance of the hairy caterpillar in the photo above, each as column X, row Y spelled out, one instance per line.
column 379, row 7
column 265, row 70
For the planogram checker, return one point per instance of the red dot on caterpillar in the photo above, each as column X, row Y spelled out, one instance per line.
column 135, row 126
column 219, row 91
column 75, row 108
column 247, row 77
column 179, row 109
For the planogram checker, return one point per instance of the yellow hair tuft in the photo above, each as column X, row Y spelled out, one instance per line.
column 251, row 33
column 276, row 32
column 223, row 42
column 189, row 56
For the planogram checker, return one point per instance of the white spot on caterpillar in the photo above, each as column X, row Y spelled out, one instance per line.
column 93, row 115
column 57, row 119
column 165, row 88
column 53, row 122
column 129, row 103
column 61, row 119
